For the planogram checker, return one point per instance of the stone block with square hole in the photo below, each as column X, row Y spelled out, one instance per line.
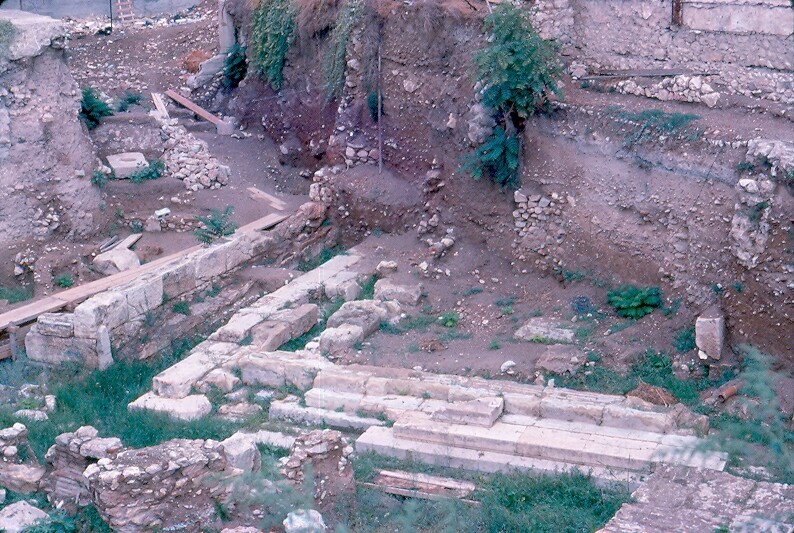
column 126, row 164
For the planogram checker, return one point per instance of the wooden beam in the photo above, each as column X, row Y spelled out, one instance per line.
column 258, row 194
column 203, row 113
column 128, row 242
column 157, row 98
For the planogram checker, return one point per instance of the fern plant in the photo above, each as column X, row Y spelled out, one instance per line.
column 519, row 71
column 272, row 34
column 497, row 157
column 631, row 301
column 217, row 225
column 92, row 108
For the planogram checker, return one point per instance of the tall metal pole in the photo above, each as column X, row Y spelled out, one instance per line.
column 380, row 105
column 110, row 5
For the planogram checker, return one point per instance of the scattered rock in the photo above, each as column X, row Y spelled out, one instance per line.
column 19, row 516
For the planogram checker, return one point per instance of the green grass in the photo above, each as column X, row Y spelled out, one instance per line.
column 684, row 340
column 368, row 289
column 64, row 281
column 99, row 398
column 152, row 171
column 631, row 301
column 16, row 294
column 181, row 307
column 129, row 99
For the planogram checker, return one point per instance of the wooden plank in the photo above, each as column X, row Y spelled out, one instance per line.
column 446, row 482
column 70, row 297
column 129, row 241
column 415, row 493
column 258, row 194
column 181, row 100
column 159, row 104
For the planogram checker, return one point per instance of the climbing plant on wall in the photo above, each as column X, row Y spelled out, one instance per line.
column 519, row 71
column 336, row 58
column 272, row 34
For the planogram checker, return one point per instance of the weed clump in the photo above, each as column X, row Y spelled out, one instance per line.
column 64, row 281
column 631, row 301
column 92, row 108
column 217, row 225
column 152, row 171
column 129, row 99
column 99, row 179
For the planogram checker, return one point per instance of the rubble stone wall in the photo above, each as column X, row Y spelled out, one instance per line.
column 746, row 44
column 85, row 8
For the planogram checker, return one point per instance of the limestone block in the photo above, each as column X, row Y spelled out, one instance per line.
column 332, row 400
column 344, row 337
column 498, row 438
column 20, row 477
column 522, row 404
column 269, row 335
column 622, row 416
column 572, row 410
column 561, row 359
column 104, row 351
column 219, row 378
column 302, row 373
column 126, row 164
column 144, row 295
column 55, row 324
column 116, row 260
column 342, row 380
column 710, row 334
column 300, row 319
column 386, row 289
column 480, row 412
column 288, row 409
column 337, row 285
column 241, row 452
column 188, row 408
column 179, row 277
column 540, row 329
column 393, row 406
column 177, row 380
column 367, row 314
column 108, row 308
column 211, row 262
column 463, row 394
column 259, row 370
column 55, row 350
column 99, row 448
column 237, row 328
column 20, row 516
column 304, row 521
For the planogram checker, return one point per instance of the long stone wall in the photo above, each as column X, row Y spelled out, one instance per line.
column 744, row 44
column 86, row 8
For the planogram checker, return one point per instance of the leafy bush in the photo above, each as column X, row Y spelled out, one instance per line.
column 449, row 319
column 99, row 179
column 152, row 171
column 335, row 59
column 129, row 99
column 519, row 71
column 684, row 340
column 235, row 66
column 272, row 34
column 631, row 301
column 181, row 307
column 216, row 225
column 497, row 157
column 92, row 108
column 64, row 281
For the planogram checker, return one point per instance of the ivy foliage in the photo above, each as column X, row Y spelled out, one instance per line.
column 497, row 157
column 519, row 71
column 335, row 60
column 631, row 301
column 235, row 66
column 272, row 34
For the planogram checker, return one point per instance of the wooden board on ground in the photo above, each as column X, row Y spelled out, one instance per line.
column 71, row 297
column 200, row 111
column 128, row 242
column 416, row 485
column 258, row 194
column 157, row 98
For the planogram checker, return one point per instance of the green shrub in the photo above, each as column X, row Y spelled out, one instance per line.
column 64, row 281
column 99, row 179
column 93, row 109
column 335, row 60
column 129, row 99
column 684, row 340
column 217, row 225
column 272, row 34
column 235, row 66
column 152, row 171
column 449, row 319
column 497, row 157
column 181, row 307
column 631, row 301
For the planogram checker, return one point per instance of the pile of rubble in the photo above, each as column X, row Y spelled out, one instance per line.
column 19, row 470
column 680, row 88
column 189, row 160
column 537, row 220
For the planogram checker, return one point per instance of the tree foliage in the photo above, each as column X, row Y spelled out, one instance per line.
column 497, row 157
column 218, row 224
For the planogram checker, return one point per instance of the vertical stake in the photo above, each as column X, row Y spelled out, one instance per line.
column 380, row 105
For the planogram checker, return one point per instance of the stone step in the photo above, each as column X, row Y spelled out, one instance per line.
column 383, row 441
column 557, row 440
column 290, row 410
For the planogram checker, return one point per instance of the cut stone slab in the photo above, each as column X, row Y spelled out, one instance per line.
column 289, row 409
column 237, row 412
column 300, row 319
column 386, row 289
column 55, row 350
column 710, row 334
column 242, row 453
column 56, row 324
column 126, row 164
column 367, row 314
column 540, row 329
column 560, row 359
column 188, row 408
column 19, row 516
column 219, row 378
column 480, row 412
column 99, row 448
column 269, row 335
column 237, row 328
column 177, row 380
column 20, row 477
column 344, row 337
column 116, row 260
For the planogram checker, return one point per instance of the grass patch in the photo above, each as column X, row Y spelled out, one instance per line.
column 16, row 294
column 64, row 281
column 182, row 307
column 631, row 301
column 684, row 340
column 471, row 291
column 99, row 179
column 368, row 289
column 92, row 108
column 271, row 35
column 215, row 226
column 129, row 99
column 152, row 171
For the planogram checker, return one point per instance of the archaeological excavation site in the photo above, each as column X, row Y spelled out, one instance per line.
column 396, row 266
